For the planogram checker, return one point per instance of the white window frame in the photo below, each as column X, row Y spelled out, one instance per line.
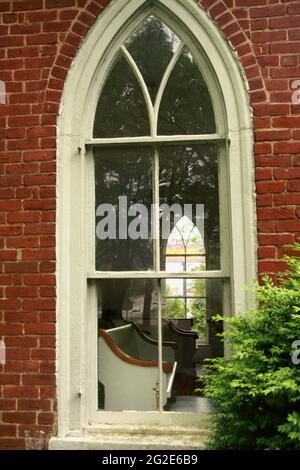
column 76, row 332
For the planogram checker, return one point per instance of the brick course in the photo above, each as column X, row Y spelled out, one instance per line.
column 38, row 41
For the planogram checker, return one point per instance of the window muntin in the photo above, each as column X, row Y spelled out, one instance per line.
column 206, row 143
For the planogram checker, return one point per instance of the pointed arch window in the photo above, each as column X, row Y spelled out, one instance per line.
column 155, row 109
column 154, row 87
column 158, row 150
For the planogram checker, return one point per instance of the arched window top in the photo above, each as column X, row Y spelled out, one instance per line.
column 154, row 87
column 185, row 247
column 152, row 46
column 185, row 238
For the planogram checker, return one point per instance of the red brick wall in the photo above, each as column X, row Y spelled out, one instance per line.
column 38, row 40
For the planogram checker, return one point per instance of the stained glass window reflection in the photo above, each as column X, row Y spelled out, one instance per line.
column 185, row 249
column 189, row 176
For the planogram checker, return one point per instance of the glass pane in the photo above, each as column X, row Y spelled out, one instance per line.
column 121, row 110
column 195, row 263
column 188, row 307
column 186, row 106
column 174, row 264
column 189, row 199
column 175, row 244
column 152, row 46
column 195, row 243
column 128, row 373
column 123, row 179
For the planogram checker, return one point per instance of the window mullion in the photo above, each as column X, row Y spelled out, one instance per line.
column 142, row 83
column 164, row 81
column 156, row 237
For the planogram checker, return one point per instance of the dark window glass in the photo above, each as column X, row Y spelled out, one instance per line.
column 123, row 178
column 186, row 106
column 121, row 110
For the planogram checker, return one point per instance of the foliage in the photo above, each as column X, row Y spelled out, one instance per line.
column 174, row 308
column 256, row 391
column 199, row 319
column 198, row 310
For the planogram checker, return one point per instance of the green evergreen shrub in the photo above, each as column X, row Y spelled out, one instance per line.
column 255, row 392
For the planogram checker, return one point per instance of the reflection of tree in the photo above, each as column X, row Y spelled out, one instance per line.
column 128, row 173
column 121, row 109
column 186, row 107
column 152, row 47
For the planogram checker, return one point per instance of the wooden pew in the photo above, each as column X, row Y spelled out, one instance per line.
column 128, row 369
